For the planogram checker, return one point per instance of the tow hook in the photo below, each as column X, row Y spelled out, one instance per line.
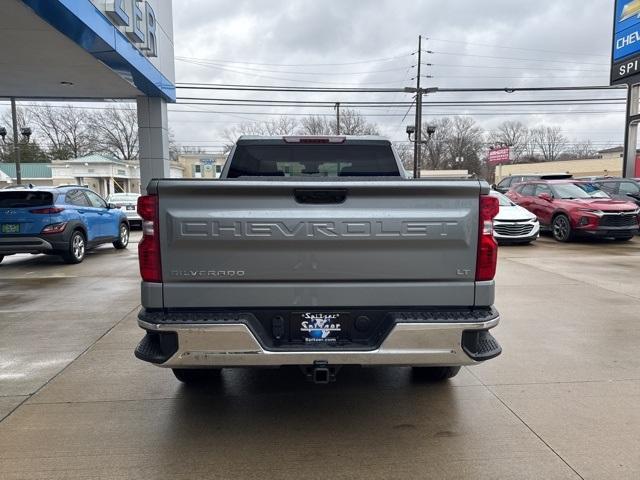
column 321, row 372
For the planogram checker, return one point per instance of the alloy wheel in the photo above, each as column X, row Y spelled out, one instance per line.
column 78, row 246
column 124, row 235
column 561, row 228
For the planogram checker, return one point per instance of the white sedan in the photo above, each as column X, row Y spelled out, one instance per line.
column 127, row 202
column 514, row 224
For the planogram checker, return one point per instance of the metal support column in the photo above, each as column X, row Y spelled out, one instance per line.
column 631, row 131
column 16, row 141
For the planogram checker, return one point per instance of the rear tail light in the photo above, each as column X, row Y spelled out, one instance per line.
column 487, row 259
column 149, row 247
column 47, row 211
column 54, row 228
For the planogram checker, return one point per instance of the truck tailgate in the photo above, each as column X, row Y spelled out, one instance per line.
column 237, row 243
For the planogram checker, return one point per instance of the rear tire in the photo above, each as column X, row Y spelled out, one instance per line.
column 561, row 228
column 192, row 376
column 123, row 239
column 77, row 248
column 1, row 258
column 434, row 374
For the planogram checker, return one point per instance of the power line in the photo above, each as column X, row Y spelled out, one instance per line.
column 270, row 88
column 360, row 62
column 513, row 58
column 510, row 67
column 514, row 48
column 278, row 88
column 222, row 66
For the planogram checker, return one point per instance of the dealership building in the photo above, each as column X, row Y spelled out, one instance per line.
column 94, row 50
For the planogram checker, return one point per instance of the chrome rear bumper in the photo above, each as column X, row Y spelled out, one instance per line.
column 234, row 345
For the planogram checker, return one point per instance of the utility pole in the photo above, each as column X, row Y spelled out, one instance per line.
column 337, row 107
column 16, row 144
column 417, row 146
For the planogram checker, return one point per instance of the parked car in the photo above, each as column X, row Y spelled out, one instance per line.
column 295, row 265
column 127, row 202
column 620, row 188
column 64, row 221
column 514, row 224
column 569, row 211
column 513, row 180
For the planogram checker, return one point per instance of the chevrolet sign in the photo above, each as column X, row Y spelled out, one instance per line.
column 626, row 41
column 136, row 19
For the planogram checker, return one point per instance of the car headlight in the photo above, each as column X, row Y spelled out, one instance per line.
column 592, row 211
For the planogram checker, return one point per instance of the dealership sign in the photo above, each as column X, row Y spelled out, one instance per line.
column 498, row 156
column 137, row 20
column 625, row 57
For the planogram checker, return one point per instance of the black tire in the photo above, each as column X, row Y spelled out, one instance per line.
column 434, row 374
column 623, row 239
column 123, row 238
column 1, row 258
column 77, row 248
column 192, row 376
column 561, row 228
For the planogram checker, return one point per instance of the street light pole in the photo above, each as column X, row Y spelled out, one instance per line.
column 16, row 143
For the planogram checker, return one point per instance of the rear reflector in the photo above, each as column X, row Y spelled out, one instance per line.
column 309, row 139
column 47, row 211
column 487, row 258
column 54, row 228
column 149, row 246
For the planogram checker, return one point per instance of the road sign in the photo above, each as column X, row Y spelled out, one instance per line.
column 499, row 156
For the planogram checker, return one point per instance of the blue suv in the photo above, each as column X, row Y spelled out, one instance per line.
column 64, row 221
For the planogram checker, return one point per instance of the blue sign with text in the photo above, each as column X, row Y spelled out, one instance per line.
column 626, row 40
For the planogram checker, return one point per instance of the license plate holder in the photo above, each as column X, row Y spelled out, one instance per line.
column 313, row 328
column 10, row 228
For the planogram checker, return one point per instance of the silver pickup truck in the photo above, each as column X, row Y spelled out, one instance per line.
column 317, row 252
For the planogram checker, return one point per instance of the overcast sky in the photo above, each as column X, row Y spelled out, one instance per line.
column 488, row 43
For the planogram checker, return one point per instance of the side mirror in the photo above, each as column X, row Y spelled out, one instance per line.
column 546, row 196
column 111, row 206
column 494, row 186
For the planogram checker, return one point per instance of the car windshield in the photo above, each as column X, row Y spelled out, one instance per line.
column 569, row 191
column 592, row 189
column 503, row 200
column 123, row 197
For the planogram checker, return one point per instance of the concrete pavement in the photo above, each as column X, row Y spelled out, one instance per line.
column 561, row 402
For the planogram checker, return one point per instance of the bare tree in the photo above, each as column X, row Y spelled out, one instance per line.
column 353, row 122
column 276, row 126
column 316, row 125
column 436, row 155
column 282, row 125
column 581, row 149
column 465, row 144
column 550, row 141
column 405, row 152
column 516, row 135
column 30, row 150
column 116, row 132
column 66, row 128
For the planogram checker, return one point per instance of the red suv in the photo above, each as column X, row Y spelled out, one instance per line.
column 570, row 208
